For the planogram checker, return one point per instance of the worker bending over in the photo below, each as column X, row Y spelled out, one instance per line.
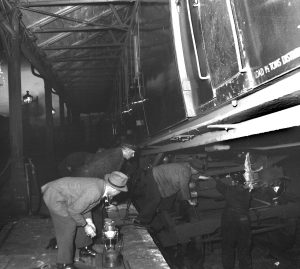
column 70, row 200
column 163, row 182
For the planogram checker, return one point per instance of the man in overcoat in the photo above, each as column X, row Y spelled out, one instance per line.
column 104, row 161
column 70, row 201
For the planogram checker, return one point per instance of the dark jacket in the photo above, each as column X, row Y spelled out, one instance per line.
column 237, row 198
column 73, row 196
column 101, row 163
column 172, row 178
column 74, row 160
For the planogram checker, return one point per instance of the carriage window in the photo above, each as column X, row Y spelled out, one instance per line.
column 271, row 35
column 194, row 54
column 218, row 41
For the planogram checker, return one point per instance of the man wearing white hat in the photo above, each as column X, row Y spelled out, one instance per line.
column 70, row 200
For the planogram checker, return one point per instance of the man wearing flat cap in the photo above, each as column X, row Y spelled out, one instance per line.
column 164, row 181
column 70, row 200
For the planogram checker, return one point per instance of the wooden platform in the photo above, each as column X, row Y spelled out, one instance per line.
column 25, row 241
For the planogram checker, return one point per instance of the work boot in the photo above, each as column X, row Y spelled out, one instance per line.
column 87, row 251
column 66, row 266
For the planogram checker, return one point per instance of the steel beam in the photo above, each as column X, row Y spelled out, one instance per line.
column 64, row 35
column 284, row 87
column 85, row 73
column 91, row 59
column 87, row 53
column 56, row 15
column 76, row 65
column 272, row 122
column 74, row 47
column 44, row 3
column 90, row 82
column 84, row 78
column 79, row 68
column 49, row 19
column 81, row 29
column 88, row 79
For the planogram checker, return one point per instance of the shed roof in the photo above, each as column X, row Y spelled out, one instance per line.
column 79, row 45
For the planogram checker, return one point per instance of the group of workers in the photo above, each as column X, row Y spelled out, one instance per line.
column 73, row 198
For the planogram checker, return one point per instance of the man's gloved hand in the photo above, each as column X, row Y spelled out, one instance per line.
column 89, row 230
column 91, row 223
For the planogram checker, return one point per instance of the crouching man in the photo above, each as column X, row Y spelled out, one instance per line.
column 70, row 200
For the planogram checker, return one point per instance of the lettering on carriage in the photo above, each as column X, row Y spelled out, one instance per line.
column 284, row 59
column 275, row 64
column 292, row 55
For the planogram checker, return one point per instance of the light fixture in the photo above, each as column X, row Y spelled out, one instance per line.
column 27, row 98
column 112, row 246
column 53, row 111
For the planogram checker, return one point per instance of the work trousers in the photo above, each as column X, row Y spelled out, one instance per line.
column 153, row 202
column 236, row 234
column 67, row 232
column 151, row 199
column 99, row 214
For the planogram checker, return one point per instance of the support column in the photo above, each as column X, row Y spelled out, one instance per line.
column 69, row 115
column 18, row 181
column 61, row 112
column 62, row 129
column 49, row 128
